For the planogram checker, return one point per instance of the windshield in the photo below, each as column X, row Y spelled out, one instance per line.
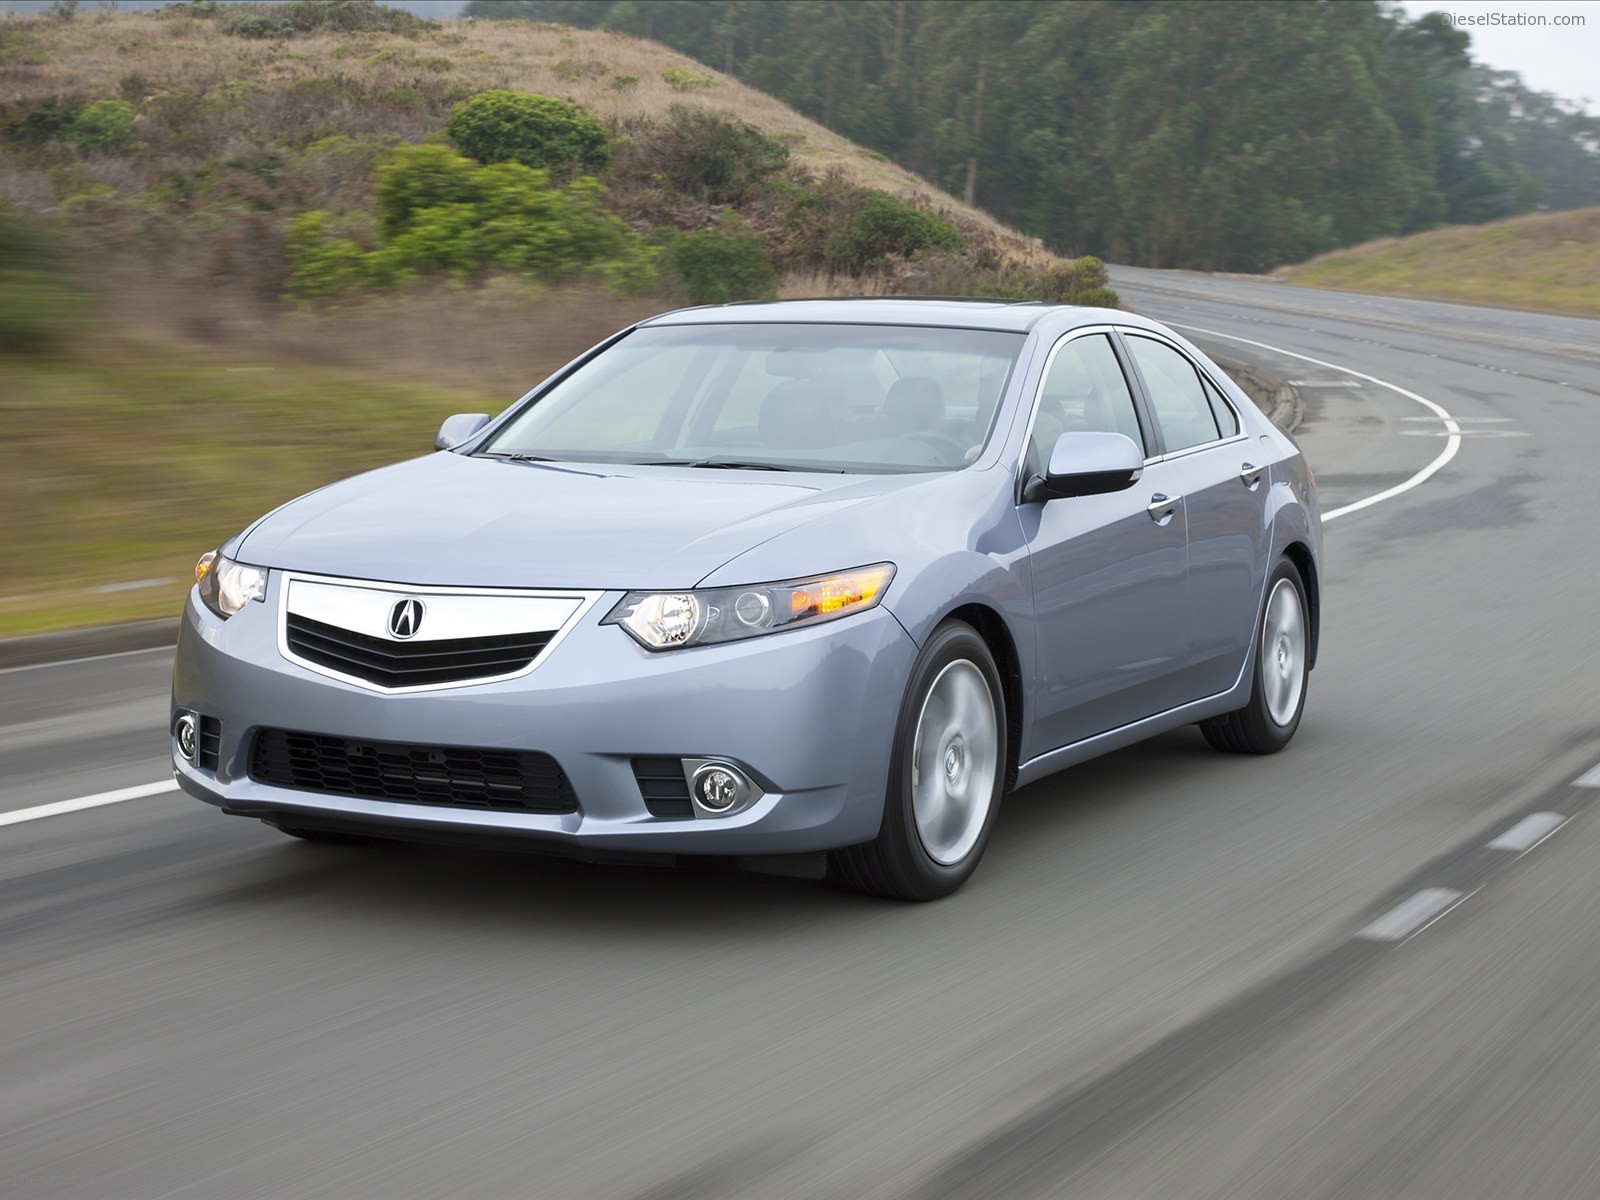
column 848, row 398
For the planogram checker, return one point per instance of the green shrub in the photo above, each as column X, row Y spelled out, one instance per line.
column 623, row 83
column 1068, row 283
column 983, row 271
column 292, row 17
column 103, row 127
column 716, row 268
column 712, row 157
column 326, row 265
column 536, row 131
column 37, row 123
column 681, row 79
column 1100, row 297
column 412, row 178
column 570, row 69
column 249, row 22
column 882, row 228
column 439, row 213
column 37, row 300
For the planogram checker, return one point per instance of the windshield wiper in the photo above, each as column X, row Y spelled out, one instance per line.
column 721, row 464
column 539, row 460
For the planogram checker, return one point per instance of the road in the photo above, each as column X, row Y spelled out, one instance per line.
column 1176, row 974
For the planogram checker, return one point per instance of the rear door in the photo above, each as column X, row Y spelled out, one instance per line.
column 1220, row 473
column 1108, row 571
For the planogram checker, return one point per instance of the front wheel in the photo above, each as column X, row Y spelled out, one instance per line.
column 945, row 776
column 1278, row 690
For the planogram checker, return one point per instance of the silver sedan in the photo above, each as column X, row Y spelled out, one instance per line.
column 809, row 585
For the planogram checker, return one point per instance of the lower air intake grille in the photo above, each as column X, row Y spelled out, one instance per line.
column 411, row 664
column 661, row 783
column 209, row 751
column 455, row 776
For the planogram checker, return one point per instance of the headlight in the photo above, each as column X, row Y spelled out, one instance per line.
column 671, row 620
column 226, row 586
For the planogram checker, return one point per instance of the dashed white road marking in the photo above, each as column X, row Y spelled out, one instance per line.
column 1590, row 778
column 1407, row 917
column 1452, row 429
column 1528, row 832
column 99, row 800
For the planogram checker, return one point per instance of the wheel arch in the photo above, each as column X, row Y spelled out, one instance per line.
column 1305, row 562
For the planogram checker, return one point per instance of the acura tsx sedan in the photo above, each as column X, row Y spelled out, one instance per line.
column 806, row 585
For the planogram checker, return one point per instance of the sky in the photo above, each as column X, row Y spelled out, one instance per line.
column 1550, row 58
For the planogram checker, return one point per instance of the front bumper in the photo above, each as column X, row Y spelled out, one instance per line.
column 810, row 713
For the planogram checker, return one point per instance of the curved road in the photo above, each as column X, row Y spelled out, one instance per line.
column 1353, row 969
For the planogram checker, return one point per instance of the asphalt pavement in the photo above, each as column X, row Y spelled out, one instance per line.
column 1368, row 966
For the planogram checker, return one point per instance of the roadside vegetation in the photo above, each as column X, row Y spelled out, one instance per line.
column 1545, row 262
column 246, row 250
column 1223, row 136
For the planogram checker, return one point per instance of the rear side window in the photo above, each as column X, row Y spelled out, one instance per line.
column 1183, row 410
column 1227, row 419
column 1084, row 391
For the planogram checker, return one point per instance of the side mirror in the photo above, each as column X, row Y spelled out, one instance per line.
column 458, row 429
column 1086, row 464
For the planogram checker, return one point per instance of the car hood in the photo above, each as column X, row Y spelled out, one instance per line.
column 449, row 519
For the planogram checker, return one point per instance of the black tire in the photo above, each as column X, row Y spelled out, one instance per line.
column 327, row 837
column 898, row 862
column 1254, row 729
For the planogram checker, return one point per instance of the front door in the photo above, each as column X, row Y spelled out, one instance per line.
column 1108, row 571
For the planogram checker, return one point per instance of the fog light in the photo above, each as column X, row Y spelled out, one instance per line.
column 187, row 731
column 718, row 787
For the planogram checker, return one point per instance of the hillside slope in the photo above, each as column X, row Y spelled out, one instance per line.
column 1544, row 262
column 107, row 53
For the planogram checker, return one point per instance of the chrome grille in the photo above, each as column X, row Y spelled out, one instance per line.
column 453, row 776
column 395, row 664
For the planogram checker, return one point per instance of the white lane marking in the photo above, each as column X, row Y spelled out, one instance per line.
column 68, row 662
column 1421, row 477
column 1528, row 832
column 1323, row 383
column 1407, row 917
column 98, row 800
column 1590, row 778
column 1472, row 433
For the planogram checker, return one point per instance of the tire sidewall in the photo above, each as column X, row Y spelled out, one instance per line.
column 1269, row 729
column 951, row 642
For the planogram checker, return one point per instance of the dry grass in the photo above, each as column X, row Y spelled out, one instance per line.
column 1542, row 262
column 92, row 57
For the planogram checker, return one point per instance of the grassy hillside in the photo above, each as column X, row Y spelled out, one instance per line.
column 1547, row 262
column 159, row 388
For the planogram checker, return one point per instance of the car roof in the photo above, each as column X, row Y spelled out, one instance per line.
column 1018, row 316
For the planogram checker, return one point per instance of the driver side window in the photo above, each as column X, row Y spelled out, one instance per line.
column 1084, row 391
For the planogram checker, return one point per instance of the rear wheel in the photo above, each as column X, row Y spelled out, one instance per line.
column 945, row 775
column 1278, row 690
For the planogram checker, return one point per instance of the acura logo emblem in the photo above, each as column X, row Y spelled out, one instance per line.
column 405, row 618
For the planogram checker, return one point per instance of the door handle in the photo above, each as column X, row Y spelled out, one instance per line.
column 1161, row 507
column 1250, row 474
